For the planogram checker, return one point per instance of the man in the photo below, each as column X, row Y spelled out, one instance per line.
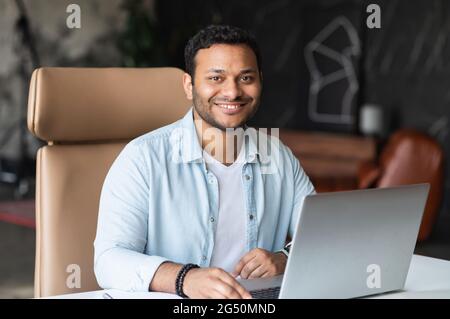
column 191, row 206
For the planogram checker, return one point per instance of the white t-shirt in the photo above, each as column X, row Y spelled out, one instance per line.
column 229, row 238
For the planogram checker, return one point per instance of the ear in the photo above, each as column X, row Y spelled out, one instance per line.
column 187, row 85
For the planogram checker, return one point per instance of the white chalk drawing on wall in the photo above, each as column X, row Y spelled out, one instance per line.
column 321, row 46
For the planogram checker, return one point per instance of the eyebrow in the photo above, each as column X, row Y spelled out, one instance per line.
column 216, row 70
column 249, row 70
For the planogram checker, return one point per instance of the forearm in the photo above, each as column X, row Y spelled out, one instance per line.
column 164, row 278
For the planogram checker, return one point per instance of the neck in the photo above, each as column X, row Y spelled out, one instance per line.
column 224, row 146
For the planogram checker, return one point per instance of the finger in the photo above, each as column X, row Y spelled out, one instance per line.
column 215, row 294
column 265, row 275
column 226, row 290
column 243, row 261
column 250, row 267
column 241, row 264
column 257, row 273
column 236, row 285
column 214, row 290
column 238, row 268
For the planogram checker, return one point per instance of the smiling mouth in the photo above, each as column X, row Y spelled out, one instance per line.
column 229, row 106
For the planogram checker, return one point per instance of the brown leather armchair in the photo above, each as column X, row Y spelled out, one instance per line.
column 409, row 157
column 86, row 116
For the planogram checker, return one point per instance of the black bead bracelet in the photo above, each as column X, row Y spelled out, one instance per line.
column 180, row 279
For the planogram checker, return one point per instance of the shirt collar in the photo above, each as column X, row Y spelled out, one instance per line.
column 191, row 150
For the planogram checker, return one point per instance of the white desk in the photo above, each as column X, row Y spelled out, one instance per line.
column 427, row 278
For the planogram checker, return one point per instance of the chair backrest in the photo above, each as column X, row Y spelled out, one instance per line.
column 86, row 116
column 412, row 157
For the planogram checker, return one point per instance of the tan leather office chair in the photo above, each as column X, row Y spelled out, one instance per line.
column 86, row 116
column 410, row 157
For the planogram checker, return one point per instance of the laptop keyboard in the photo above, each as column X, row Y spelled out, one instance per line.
column 269, row 293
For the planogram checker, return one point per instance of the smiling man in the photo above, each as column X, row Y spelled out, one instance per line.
column 191, row 206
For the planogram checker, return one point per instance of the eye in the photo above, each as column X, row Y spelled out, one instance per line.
column 246, row 78
column 215, row 78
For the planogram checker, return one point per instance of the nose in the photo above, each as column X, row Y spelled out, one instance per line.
column 231, row 90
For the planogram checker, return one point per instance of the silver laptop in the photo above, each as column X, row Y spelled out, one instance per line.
column 349, row 244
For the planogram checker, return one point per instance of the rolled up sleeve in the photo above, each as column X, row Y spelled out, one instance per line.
column 120, row 261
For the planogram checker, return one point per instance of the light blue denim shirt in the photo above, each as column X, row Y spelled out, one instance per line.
column 160, row 203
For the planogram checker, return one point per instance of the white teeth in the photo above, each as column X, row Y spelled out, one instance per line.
column 228, row 106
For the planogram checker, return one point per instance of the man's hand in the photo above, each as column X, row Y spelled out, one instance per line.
column 212, row 283
column 260, row 263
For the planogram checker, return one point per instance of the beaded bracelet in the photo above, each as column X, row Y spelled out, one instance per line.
column 180, row 279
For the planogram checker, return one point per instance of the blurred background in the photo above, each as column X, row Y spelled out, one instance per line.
column 355, row 104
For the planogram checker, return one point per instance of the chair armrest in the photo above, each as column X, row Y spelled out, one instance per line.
column 368, row 174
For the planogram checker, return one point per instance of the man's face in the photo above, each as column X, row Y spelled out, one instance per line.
column 227, row 85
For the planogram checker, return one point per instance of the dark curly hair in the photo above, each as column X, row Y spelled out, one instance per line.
column 217, row 34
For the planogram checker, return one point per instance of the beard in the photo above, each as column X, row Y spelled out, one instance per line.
column 204, row 110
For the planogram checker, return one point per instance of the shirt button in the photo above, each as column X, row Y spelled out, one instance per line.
column 203, row 257
column 251, row 216
column 212, row 219
column 247, row 177
column 211, row 181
